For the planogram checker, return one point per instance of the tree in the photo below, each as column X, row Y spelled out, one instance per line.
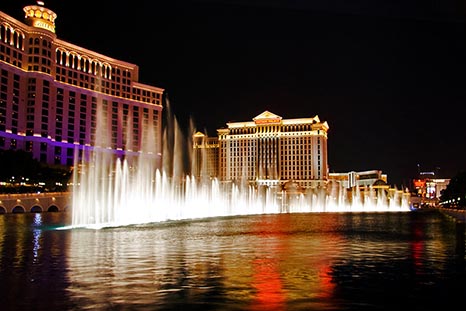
column 20, row 172
column 17, row 164
column 454, row 195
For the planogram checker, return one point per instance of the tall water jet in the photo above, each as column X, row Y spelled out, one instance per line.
column 111, row 190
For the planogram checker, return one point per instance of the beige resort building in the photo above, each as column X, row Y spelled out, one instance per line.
column 286, row 154
column 267, row 151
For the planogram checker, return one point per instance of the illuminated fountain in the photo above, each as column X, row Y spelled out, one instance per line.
column 108, row 191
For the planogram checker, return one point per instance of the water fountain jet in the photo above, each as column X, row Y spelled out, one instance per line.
column 115, row 191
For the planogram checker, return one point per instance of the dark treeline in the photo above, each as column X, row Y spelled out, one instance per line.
column 454, row 196
column 21, row 173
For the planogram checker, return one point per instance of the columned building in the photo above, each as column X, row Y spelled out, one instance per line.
column 57, row 97
column 271, row 151
column 205, row 155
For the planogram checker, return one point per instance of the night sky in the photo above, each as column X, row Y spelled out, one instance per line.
column 387, row 75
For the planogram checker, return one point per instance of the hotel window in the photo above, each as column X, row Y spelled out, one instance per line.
column 29, row 146
column 60, row 94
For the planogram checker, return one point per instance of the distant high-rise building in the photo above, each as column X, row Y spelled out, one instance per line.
column 268, row 150
column 56, row 97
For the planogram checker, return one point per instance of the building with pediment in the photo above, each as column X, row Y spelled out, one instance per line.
column 57, row 97
column 268, row 151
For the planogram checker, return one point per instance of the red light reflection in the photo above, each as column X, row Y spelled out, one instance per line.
column 267, row 282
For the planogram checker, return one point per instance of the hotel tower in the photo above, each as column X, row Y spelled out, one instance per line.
column 57, row 97
column 267, row 151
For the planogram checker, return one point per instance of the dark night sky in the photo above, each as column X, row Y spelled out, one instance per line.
column 387, row 75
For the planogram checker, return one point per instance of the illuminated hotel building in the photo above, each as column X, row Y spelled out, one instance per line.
column 53, row 92
column 268, row 150
column 429, row 188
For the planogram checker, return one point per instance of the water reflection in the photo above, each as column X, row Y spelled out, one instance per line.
column 2, row 237
column 36, row 232
column 331, row 261
column 32, row 265
column 260, row 263
column 187, row 261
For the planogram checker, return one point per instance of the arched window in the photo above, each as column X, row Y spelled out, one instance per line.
column 59, row 57
column 8, row 35
column 15, row 40
column 73, row 60
column 21, row 41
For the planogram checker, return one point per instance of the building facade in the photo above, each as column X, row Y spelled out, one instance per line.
column 56, row 97
column 359, row 179
column 205, row 155
column 267, row 151
column 428, row 188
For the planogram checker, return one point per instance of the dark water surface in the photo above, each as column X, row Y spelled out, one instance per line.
column 326, row 261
